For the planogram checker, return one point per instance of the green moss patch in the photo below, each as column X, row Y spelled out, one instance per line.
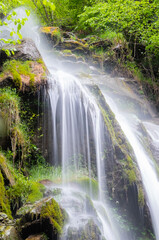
column 52, row 211
column 16, row 69
column 89, row 185
column 6, row 171
column 4, row 203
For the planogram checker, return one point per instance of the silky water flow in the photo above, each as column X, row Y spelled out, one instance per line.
column 78, row 147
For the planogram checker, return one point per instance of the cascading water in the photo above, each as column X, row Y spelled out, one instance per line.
column 129, row 123
column 78, row 146
column 78, row 129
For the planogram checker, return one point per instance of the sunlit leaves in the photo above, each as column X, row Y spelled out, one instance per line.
column 139, row 19
column 14, row 28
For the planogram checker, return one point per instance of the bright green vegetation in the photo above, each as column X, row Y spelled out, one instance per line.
column 5, row 7
column 16, row 130
column 44, row 171
column 133, row 26
column 52, row 211
column 137, row 21
column 24, row 191
column 17, row 69
column 4, row 203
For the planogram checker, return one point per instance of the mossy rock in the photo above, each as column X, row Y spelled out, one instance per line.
column 23, row 75
column 8, row 177
column 9, row 233
column 89, row 231
column 4, row 202
column 53, row 212
column 123, row 176
column 44, row 216
column 24, row 69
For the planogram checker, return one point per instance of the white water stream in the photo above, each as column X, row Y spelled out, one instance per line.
column 128, row 122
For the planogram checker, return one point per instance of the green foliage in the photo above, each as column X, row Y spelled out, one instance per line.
column 24, row 191
column 137, row 21
column 5, row 7
column 17, row 131
column 44, row 171
column 53, row 212
column 4, row 203
column 35, row 192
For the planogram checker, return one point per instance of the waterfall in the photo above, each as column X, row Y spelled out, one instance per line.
column 128, row 122
column 78, row 146
column 78, row 134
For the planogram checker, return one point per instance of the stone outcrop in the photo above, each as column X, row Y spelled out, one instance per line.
column 123, row 176
column 27, row 77
column 44, row 216
column 7, row 175
column 7, row 228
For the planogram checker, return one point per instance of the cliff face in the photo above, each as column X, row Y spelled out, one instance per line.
column 27, row 74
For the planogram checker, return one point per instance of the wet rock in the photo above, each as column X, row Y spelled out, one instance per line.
column 34, row 77
column 44, row 216
column 7, row 228
column 65, row 40
column 75, row 67
column 8, row 177
column 25, row 51
column 9, row 233
column 122, row 173
column 88, row 232
column 36, row 237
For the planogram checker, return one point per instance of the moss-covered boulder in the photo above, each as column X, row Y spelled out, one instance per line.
column 4, row 203
column 7, row 228
column 24, row 69
column 63, row 40
column 44, row 216
column 8, row 177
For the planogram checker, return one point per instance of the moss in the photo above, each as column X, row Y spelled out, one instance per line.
column 6, row 170
column 141, row 200
column 17, row 69
column 131, row 176
column 52, row 211
column 10, row 107
column 4, row 203
column 89, row 185
column 10, row 112
column 108, row 122
column 67, row 51
column 129, row 168
column 32, row 81
column 36, row 192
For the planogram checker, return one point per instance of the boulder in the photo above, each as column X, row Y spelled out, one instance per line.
column 27, row 70
column 25, row 51
column 44, row 216
column 36, row 237
column 8, row 177
column 89, row 231
column 7, row 228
